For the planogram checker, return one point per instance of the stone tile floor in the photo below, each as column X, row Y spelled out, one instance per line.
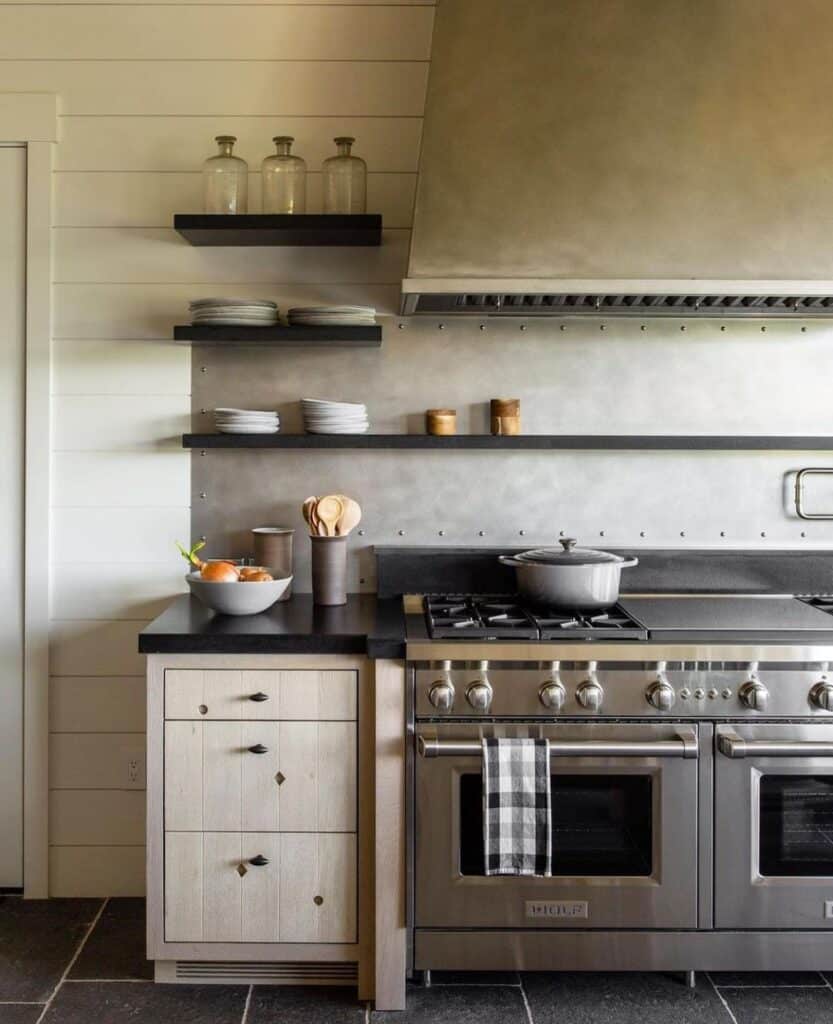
column 82, row 962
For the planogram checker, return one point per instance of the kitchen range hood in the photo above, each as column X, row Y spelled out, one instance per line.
column 647, row 158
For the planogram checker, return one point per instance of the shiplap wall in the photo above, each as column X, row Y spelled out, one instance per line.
column 144, row 88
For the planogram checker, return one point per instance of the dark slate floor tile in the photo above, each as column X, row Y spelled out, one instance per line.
column 292, row 1004
column 780, row 1005
column 475, row 978
column 126, row 1002
column 20, row 1013
column 38, row 938
column 481, row 1004
column 116, row 946
column 768, row 979
column 631, row 998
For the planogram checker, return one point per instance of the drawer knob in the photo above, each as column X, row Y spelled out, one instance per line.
column 258, row 748
column 203, row 709
column 259, row 697
column 280, row 778
column 318, row 900
column 259, row 861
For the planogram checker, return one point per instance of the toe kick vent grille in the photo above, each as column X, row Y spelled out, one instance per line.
column 265, row 973
column 620, row 304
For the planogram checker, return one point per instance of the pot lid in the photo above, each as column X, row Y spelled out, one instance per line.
column 568, row 555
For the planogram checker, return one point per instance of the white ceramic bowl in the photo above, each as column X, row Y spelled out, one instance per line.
column 237, row 598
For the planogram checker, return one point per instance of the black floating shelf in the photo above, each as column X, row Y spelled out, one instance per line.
column 314, row 337
column 280, row 228
column 529, row 442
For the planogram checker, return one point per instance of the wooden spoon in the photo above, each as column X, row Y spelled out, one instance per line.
column 350, row 517
column 329, row 510
column 306, row 510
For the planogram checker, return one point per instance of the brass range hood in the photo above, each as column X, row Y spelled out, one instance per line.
column 641, row 158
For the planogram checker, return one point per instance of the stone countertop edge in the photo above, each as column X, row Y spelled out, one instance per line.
column 365, row 625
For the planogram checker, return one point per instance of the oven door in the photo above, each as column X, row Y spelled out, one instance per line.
column 624, row 809
column 774, row 826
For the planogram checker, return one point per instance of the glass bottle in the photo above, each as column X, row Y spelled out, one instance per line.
column 225, row 179
column 284, row 179
column 345, row 180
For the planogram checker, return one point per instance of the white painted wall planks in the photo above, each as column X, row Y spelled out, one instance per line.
column 143, row 89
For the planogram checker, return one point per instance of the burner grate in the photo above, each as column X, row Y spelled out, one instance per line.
column 503, row 616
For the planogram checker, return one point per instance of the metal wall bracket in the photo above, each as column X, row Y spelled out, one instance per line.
column 800, row 477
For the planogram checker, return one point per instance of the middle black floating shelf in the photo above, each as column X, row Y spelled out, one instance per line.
column 279, row 335
column 280, row 228
column 528, row 442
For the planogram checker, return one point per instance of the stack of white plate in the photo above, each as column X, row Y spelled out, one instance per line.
column 239, row 312
column 322, row 417
column 332, row 316
column 246, row 421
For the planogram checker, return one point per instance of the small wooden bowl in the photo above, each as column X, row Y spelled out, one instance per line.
column 441, row 422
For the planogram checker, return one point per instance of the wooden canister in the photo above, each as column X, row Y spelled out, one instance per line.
column 441, row 422
column 505, row 415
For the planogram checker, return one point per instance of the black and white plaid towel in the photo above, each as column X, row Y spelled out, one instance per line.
column 517, row 832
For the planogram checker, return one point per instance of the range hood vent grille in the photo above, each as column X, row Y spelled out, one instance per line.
column 586, row 303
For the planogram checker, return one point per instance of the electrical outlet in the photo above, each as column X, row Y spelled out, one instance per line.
column 136, row 771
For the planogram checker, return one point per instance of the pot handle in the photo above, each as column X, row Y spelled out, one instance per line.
column 509, row 560
column 629, row 563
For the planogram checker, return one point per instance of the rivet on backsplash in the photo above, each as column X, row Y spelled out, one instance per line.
column 203, row 537
column 723, row 327
column 602, row 327
column 482, row 327
column 682, row 327
column 803, row 330
column 522, row 533
column 682, row 533
column 523, row 327
column 362, row 580
column 560, row 533
column 204, row 412
column 481, row 533
column 643, row 327
column 203, row 495
column 803, row 534
column 401, row 326
column 440, row 533
column 361, row 533
column 763, row 533
column 601, row 533
column 203, row 369
column 441, row 326
column 562, row 327
column 763, row 330
column 722, row 533
column 641, row 533
column 203, row 451
column 401, row 533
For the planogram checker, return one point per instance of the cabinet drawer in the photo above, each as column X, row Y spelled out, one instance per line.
column 260, row 776
column 304, row 892
column 296, row 695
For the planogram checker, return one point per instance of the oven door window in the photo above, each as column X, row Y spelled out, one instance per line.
column 601, row 825
column 796, row 826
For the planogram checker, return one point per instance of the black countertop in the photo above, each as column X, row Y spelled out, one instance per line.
column 365, row 625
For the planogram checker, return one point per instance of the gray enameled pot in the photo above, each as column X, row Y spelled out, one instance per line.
column 575, row 579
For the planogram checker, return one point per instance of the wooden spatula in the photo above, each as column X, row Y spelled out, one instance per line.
column 329, row 510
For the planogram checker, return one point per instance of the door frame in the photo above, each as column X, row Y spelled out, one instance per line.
column 31, row 119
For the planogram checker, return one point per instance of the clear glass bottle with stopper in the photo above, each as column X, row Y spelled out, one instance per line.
column 345, row 180
column 225, row 179
column 284, row 179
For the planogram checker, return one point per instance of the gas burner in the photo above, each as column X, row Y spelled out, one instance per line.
column 488, row 617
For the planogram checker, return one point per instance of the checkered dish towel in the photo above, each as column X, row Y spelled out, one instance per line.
column 517, row 830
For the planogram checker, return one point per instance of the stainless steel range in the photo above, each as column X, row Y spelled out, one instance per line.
column 691, row 741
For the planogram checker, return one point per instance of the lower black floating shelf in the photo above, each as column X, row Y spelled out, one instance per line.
column 279, row 335
column 280, row 228
column 528, row 442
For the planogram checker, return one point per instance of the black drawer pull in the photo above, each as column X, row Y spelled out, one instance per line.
column 258, row 748
column 259, row 697
column 259, row 861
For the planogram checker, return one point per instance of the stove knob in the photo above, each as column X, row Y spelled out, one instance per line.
column 479, row 693
column 753, row 694
column 441, row 695
column 590, row 693
column 552, row 695
column 660, row 695
column 822, row 695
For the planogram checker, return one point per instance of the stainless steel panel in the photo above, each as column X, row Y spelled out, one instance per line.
column 581, row 950
column 665, row 899
column 744, row 898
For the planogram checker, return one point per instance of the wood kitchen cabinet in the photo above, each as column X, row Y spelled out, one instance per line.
column 260, row 809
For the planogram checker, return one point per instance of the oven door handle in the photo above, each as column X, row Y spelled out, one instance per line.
column 685, row 746
column 734, row 746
